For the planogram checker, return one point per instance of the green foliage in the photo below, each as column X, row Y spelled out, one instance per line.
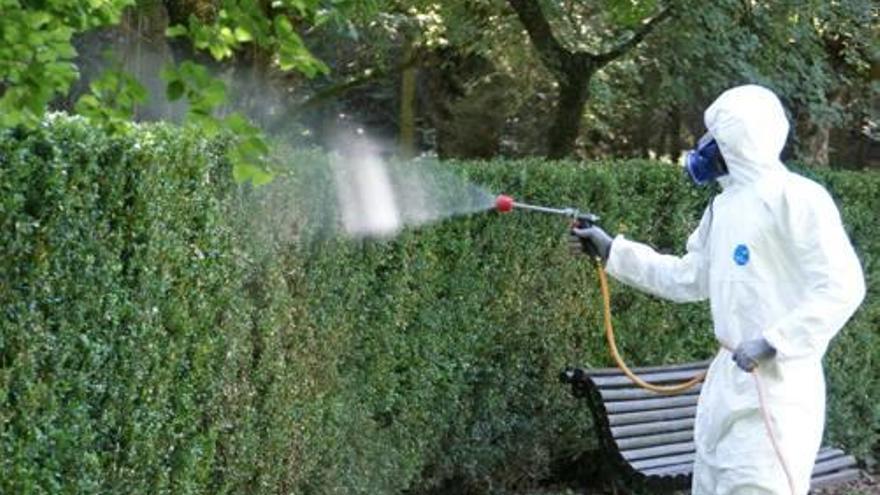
column 814, row 54
column 631, row 13
column 235, row 25
column 36, row 63
column 249, row 148
column 202, row 91
column 238, row 23
column 250, row 153
column 36, row 54
column 166, row 330
column 115, row 253
column 851, row 363
column 113, row 98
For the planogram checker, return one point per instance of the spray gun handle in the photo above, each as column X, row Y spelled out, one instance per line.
column 583, row 221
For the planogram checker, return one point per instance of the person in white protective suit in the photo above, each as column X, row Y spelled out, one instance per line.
column 771, row 255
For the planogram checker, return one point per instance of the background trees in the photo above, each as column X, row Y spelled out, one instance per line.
column 468, row 79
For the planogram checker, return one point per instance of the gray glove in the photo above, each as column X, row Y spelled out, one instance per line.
column 591, row 240
column 751, row 352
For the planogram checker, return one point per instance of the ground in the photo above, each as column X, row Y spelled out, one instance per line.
column 869, row 484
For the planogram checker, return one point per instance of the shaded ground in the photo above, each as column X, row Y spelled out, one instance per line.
column 869, row 484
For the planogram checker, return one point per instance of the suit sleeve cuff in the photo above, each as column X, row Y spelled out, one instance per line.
column 615, row 255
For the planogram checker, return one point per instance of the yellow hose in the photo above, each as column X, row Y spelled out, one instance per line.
column 612, row 346
column 681, row 387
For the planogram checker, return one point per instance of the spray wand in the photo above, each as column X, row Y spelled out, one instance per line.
column 505, row 204
column 580, row 220
column 583, row 220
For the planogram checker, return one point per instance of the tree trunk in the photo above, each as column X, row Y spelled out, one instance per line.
column 674, row 146
column 407, row 144
column 814, row 136
column 465, row 99
column 573, row 94
column 573, row 69
column 815, row 146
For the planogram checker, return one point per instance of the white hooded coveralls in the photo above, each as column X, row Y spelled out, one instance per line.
column 773, row 258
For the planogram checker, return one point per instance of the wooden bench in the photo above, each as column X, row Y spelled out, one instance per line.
column 650, row 437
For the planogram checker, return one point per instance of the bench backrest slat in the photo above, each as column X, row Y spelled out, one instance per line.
column 650, row 428
column 642, row 370
column 663, row 461
column 657, row 377
column 662, row 402
column 653, row 440
column 659, row 415
column 658, row 451
column 636, row 393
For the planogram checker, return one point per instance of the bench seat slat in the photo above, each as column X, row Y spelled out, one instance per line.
column 828, row 453
column 673, row 470
column 835, row 478
column 835, row 464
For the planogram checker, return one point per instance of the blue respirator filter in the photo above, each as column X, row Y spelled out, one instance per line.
column 704, row 164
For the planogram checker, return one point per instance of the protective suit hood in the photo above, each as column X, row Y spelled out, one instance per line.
column 750, row 127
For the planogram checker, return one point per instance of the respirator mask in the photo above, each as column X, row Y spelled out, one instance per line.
column 704, row 164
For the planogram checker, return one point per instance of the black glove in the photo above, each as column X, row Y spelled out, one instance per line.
column 591, row 240
column 751, row 352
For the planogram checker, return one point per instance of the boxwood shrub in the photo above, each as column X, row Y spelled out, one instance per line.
column 165, row 330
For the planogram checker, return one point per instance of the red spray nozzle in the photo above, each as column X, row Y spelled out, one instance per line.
column 503, row 203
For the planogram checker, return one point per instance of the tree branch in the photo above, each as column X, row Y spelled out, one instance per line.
column 628, row 45
column 338, row 89
column 550, row 51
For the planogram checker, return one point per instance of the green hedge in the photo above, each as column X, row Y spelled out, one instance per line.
column 166, row 331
